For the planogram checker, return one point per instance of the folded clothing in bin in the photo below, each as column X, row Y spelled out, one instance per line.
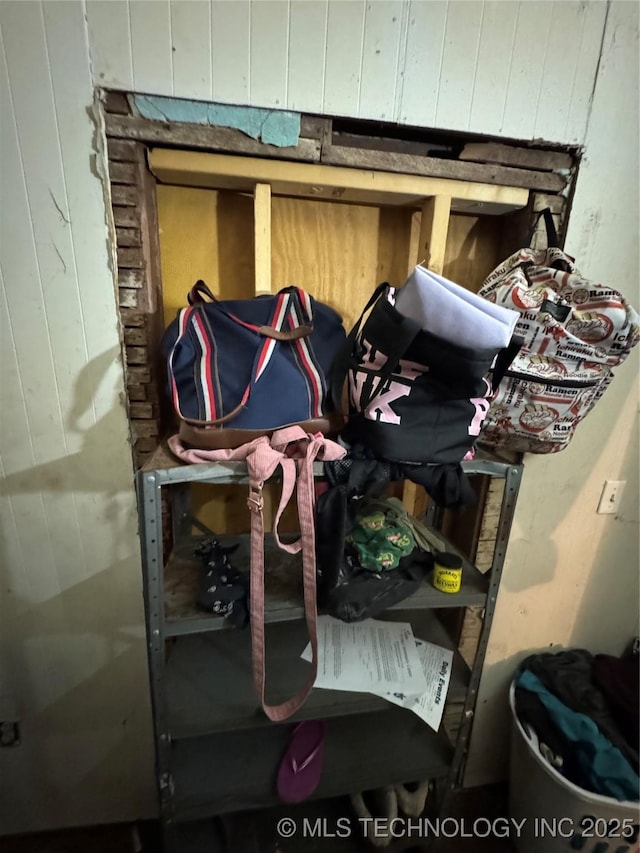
column 595, row 687
column 590, row 760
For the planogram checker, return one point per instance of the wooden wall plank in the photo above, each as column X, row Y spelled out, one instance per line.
column 24, row 520
column 68, row 475
column 110, row 43
column 345, row 34
column 195, row 168
column 230, row 39
column 422, row 62
column 559, row 70
column 32, row 226
column 463, row 65
column 525, row 68
column 432, row 244
column 490, row 90
column 16, row 580
column 151, row 47
column 191, row 44
column 92, row 402
column 42, row 213
column 459, row 59
column 262, row 238
column 383, row 32
column 593, row 21
column 269, row 53
column 14, row 416
column 307, row 44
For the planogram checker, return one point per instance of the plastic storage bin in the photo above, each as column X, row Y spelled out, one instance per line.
column 557, row 815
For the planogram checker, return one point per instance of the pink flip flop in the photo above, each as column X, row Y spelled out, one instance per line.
column 301, row 766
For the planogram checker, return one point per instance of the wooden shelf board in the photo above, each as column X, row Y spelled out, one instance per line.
column 329, row 183
column 236, row 771
column 283, row 589
column 209, row 685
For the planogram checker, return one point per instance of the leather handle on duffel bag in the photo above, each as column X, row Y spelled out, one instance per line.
column 290, row 335
column 299, row 297
column 295, row 307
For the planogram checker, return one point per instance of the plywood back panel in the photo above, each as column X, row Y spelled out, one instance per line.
column 473, row 249
column 338, row 252
column 204, row 234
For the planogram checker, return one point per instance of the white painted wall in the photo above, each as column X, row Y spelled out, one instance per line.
column 73, row 648
column 519, row 69
column 572, row 576
column 73, row 654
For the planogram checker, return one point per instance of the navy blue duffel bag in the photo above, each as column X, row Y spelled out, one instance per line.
column 241, row 368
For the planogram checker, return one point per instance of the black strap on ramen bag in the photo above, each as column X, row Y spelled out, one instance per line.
column 415, row 397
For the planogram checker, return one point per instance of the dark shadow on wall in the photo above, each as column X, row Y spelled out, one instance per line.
column 86, row 721
column 90, row 469
column 76, row 660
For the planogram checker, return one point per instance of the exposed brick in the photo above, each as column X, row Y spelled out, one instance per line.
column 137, row 355
column 141, row 410
column 130, row 258
column 116, row 102
column 127, row 298
column 137, row 393
column 122, row 150
column 126, row 217
column 135, row 337
column 138, row 375
column 128, row 237
column 132, row 318
column 131, row 278
column 143, row 429
column 123, row 173
column 124, row 195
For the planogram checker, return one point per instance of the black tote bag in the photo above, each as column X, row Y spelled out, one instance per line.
column 414, row 397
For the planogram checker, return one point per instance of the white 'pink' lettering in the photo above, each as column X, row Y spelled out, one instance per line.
column 481, row 405
column 379, row 409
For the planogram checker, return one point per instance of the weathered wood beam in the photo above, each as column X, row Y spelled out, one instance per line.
column 204, row 137
column 434, row 167
column 513, row 155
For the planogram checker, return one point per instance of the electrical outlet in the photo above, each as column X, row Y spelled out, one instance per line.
column 611, row 496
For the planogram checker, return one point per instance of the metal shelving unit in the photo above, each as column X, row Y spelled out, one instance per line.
column 216, row 752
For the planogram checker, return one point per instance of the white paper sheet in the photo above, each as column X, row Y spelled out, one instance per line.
column 370, row 656
column 429, row 706
column 450, row 311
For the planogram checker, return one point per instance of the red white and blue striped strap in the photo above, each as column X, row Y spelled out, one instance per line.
column 285, row 308
column 309, row 367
